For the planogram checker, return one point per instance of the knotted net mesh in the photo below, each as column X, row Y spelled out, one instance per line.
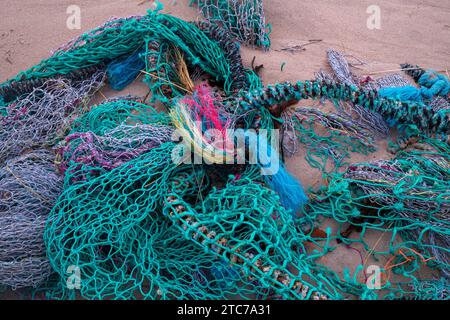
column 244, row 19
column 29, row 187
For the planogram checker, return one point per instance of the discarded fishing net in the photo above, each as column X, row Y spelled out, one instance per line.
column 168, row 69
column 102, row 224
column 423, row 290
column 12, row 90
column 204, row 124
column 29, row 187
column 137, row 253
column 341, row 68
column 408, row 196
column 111, row 134
column 368, row 121
column 112, row 227
column 114, row 112
column 390, row 80
column 343, row 74
column 169, row 74
column 334, row 145
column 161, row 72
column 342, row 136
column 276, row 98
column 199, row 50
column 137, row 224
column 123, row 249
column 432, row 84
column 250, row 233
column 115, row 146
column 244, row 78
column 41, row 118
column 121, row 37
column 438, row 102
column 244, row 19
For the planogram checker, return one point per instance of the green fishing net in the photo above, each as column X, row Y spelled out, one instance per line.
column 109, row 114
column 136, row 224
column 121, row 37
column 407, row 198
column 244, row 19
column 328, row 137
column 149, row 228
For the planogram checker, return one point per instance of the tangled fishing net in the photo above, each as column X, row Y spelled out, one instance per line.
column 130, row 237
column 122, row 198
column 113, row 133
column 42, row 117
column 29, row 187
column 244, row 19
column 408, row 195
column 423, row 290
column 115, row 146
column 344, row 136
column 119, row 38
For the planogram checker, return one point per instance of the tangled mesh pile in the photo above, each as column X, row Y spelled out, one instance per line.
column 342, row 137
column 124, row 36
column 138, row 224
column 424, row 290
column 29, row 187
column 125, row 246
column 115, row 146
column 113, row 133
column 244, row 19
column 276, row 98
column 342, row 74
column 41, row 117
column 408, row 195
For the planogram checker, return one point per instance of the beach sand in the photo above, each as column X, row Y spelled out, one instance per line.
column 414, row 31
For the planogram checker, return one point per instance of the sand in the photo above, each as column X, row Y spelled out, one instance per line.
column 414, row 31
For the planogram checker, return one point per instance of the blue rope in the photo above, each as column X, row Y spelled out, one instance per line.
column 432, row 84
column 121, row 72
